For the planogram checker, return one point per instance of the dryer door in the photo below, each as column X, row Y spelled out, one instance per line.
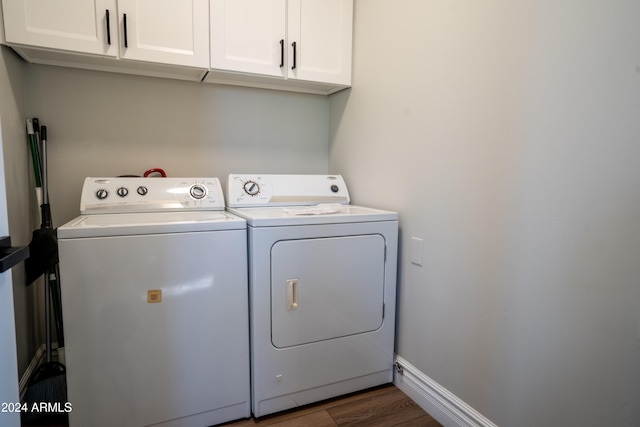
column 326, row 288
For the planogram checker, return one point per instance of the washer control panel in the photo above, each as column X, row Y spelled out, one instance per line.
column 133, row 195
column 249, row 190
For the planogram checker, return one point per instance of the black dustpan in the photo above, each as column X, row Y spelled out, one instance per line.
column 43, row 248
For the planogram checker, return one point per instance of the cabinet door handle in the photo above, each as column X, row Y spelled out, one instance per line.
column 126, row 40
column 293, row 67
column 281, row 53
column 108, row 28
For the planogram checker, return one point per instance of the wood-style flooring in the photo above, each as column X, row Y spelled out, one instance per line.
column 384, row 406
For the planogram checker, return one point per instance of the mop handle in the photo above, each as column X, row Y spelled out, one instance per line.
column 47, row 316
column 45, row 184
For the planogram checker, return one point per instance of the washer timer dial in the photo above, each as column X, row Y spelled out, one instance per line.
column 102, row 194
column 198, row 191
column 251, row 188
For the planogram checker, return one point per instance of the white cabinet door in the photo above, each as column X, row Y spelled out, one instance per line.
column 249, row 36
column 306, row 40
column 87, row 26
column 171, row 32
column 320, row 37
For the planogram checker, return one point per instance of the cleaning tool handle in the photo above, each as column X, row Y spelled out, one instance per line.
column 47, row 317
column 35, row 156
column 46, row 213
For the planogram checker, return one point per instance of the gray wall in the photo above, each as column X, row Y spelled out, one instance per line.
column 507, row 135
column 103, row 124
column 21, row 206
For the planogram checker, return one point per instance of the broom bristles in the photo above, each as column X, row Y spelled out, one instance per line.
column 46, row 394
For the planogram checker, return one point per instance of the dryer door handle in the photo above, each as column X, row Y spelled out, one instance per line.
column 292, row 294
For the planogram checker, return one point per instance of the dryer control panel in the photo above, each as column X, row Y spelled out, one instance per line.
column 135, row 195
column 252, row 190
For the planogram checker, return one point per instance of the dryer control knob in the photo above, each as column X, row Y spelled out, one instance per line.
column 102, row 194
column 142, row 190
column 251, row 188
column 122, row 192
column 198, row 191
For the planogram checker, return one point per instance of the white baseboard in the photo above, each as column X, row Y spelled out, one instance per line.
column 441, row 404
column 37, row 360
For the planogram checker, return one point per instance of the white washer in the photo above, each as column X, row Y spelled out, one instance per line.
column 322, row 287
column 155, row 305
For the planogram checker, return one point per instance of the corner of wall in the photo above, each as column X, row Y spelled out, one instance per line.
column 437, row 401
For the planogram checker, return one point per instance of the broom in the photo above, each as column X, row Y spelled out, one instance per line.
column 46, row 394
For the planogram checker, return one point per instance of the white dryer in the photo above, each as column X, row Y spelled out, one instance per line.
column 322, row 285
column 155, row 309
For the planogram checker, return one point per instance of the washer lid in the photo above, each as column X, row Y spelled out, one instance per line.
column 125, row 224
column 279, row 216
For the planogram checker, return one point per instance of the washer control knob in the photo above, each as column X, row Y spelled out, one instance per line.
column 251, row 188
column 142, row 190
column 102, row 194
column 122, row 192
column 198, row 191
column 335, row 188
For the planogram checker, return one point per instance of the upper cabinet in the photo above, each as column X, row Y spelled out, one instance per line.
column 72, row 25
column 304, row 44
column 299, row 45
column 171, row 32
column 248, row 36
column 319, row 35
column 162, row 39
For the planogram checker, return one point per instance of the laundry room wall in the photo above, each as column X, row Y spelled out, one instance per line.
column 21, row 204
column 103, row 124
column 507, row 135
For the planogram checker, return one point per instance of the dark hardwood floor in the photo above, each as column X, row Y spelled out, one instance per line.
column 383, row 406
